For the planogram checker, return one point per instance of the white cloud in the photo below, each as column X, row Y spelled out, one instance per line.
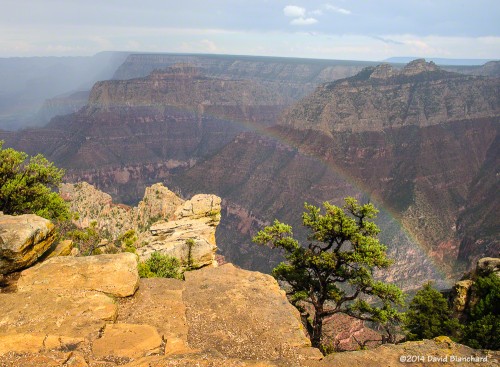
column 303, row 21
column 294, row 11
column 316, row 12
column 337, row 9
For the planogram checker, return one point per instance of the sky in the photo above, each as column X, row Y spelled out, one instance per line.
column 326, row 29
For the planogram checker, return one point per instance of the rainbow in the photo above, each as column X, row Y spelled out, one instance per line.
column 420, row 254
column 437, row 272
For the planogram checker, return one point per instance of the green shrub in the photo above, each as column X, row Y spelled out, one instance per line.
column 482, row 329
column 429, row 315
column 160, row 266
column 86, row 240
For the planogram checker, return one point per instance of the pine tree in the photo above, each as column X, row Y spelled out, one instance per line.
column 333, row 271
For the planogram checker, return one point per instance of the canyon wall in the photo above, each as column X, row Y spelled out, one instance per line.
column 420, row 142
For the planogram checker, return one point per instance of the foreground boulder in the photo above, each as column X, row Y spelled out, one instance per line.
column 241, row 314
column 221, row 316
column 23, row 239
column 68, row 296
column 111, row 274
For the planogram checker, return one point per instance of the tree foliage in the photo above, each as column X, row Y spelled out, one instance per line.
column 333, row 271
column 27, row 185
column 429, row 315
column 482, row 329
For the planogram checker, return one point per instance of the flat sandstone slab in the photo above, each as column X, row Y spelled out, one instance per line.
column 112, row 274
column 158, row 302
column 34, row 342
column 76, row 314
column 127, row 340
column 241, row 314
column 440, row 351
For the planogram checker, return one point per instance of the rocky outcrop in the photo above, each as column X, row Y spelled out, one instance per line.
column 461, row 294
column 94, row 205
column 215, row 315
column 195, row 221
column 488, row 265
column 162, row 221
column 23, row 239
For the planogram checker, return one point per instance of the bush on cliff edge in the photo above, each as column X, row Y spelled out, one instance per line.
column 28, row 184
column 160, row 266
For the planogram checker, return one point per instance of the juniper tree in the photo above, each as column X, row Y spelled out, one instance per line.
column 429, row 315
column 333, row 270
column 482, row 327
column 27, row 185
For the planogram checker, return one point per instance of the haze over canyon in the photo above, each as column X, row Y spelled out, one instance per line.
column 268, row 134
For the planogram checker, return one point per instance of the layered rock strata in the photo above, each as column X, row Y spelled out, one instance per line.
column 422, row 142
column 381, row 97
